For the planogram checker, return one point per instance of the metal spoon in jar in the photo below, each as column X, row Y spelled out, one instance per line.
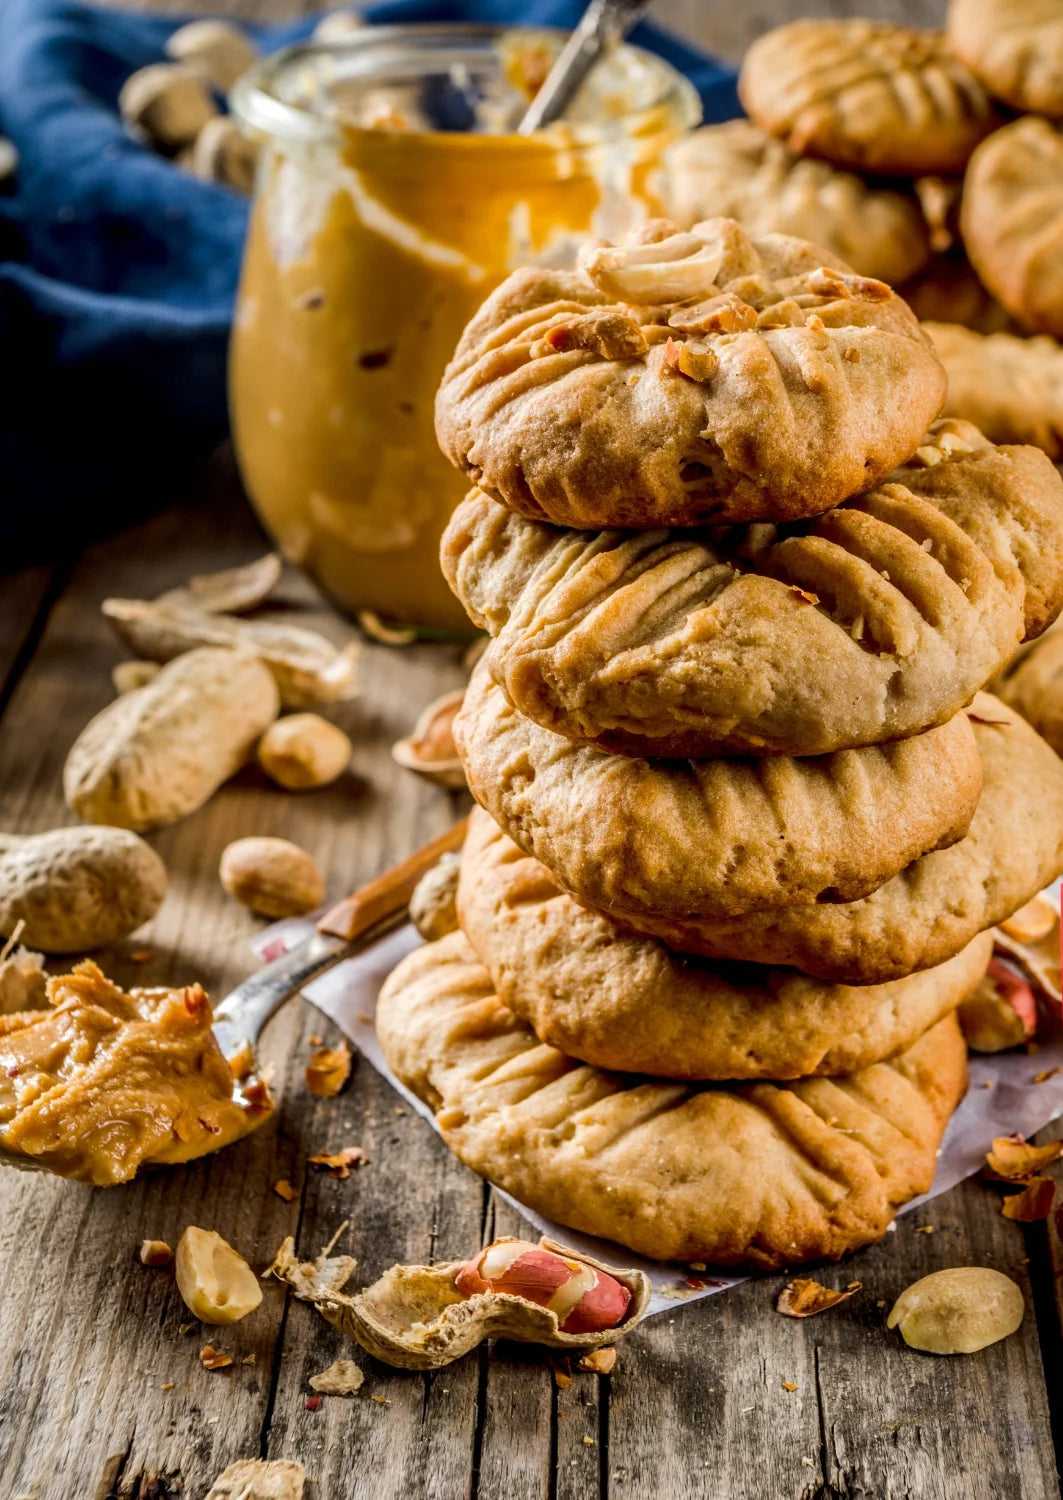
column 604, row 25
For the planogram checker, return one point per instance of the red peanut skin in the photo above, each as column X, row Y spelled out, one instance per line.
column 536, row 1275
column 1017, row 993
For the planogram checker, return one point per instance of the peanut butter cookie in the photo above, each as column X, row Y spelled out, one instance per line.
column 756, row 1174
column 873, row 622
column 737, row 170
column 629, row 1003
column 656, row 839
column 1012, row 388
column 867, row 96
column 936, row 906
column 1012, row 220
column 687, row 377
column 1033, row 687
column 1015, row 47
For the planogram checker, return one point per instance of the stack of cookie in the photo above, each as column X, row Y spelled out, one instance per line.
column 745, row 816
column 898, row 150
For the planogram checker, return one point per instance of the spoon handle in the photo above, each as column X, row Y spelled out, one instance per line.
column 605, row 23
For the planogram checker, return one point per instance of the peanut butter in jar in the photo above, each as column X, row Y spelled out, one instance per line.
column 393, row 196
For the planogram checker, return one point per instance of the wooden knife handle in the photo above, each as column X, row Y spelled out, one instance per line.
column 390, row 892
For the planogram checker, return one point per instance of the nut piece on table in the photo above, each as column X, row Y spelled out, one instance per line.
column 75, row 889
column 1000, row 1013
column 342, row 1378
column 222, row 153
column 155, row 1253
column 958, row 1311
column 155, row 755
column 433, row 905
column 304, row 751
column 168, row 103
column 328, row 1071
column 215, row 1281
column 218, row 51
column 423, row 1317
column 430, row 750
column 260, row 1479
column 271, row 876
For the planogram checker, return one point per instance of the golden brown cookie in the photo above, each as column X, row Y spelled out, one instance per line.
column 1012, row 220
column 665, row 839
column 619, row 1001
column 935, row 907
column 948, row 291
column 754, row 1174
column 867, row 96
column 1033, row 687
column 873, row 622
column 1015, row 47
column 1012, row 388
column 687, row 377
column 737, row 170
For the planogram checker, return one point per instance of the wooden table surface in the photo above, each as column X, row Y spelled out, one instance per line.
column 101, row 1393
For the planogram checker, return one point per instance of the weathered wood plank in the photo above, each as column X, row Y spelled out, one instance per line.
column 24, row 598
column 89, row 1337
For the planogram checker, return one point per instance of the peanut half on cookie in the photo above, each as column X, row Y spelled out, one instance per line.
column 873, row 622
column 756, row 1174
column 628, row 1003
column 687, row 377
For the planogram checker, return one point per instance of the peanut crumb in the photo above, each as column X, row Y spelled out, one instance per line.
column 925, row 1229
column 788, row 1385
column 155, row 1253
column 588, row 1442
column 599, row 1361
column 328, row 1070
column 166, row 1386
column 214, row 1359
column 284, row 1189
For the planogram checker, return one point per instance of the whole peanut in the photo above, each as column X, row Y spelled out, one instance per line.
column 272, row 877
column 304, row 751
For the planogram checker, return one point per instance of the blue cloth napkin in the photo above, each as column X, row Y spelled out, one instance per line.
column 118, row 272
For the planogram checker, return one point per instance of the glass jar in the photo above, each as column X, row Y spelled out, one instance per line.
column 393, row 195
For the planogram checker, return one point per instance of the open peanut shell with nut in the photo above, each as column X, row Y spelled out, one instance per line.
column 417, row 1318
column 429, row 749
